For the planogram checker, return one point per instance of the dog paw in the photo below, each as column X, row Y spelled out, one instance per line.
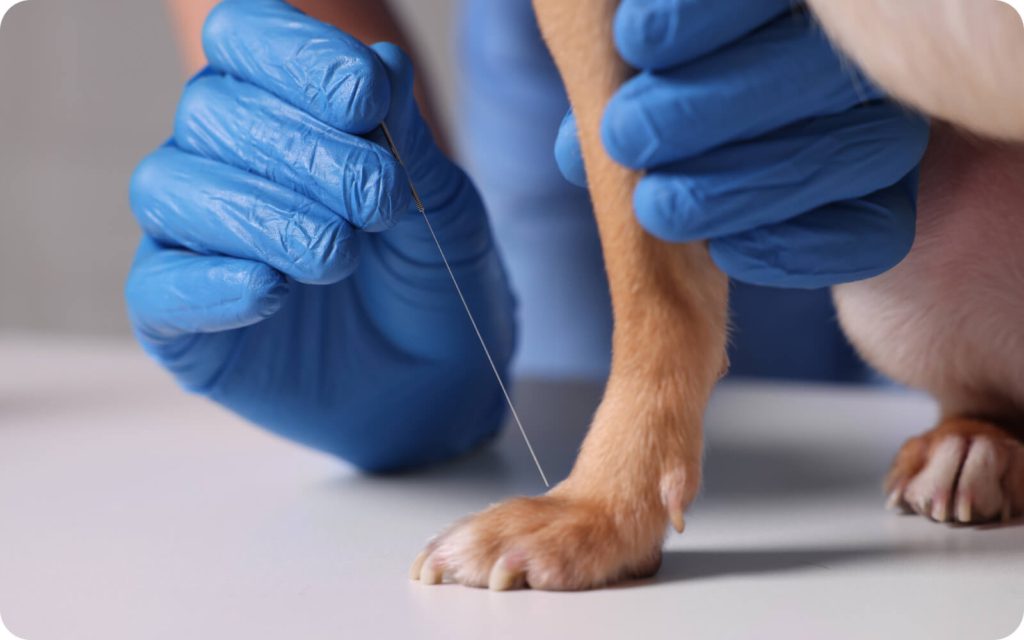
column 964, row 471
column 553, row 542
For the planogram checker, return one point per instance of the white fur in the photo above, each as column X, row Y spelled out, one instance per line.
column 950, row 318
column 959, row 60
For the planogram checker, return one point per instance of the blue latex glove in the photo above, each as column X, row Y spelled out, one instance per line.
column 284, row 272
column 758, row 137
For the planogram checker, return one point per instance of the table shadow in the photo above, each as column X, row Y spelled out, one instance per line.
column 556, row 416
column 705, row 564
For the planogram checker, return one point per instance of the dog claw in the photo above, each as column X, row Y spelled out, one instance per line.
column 678, row 523
column 431, row 573
column 892, row 503
column 673, row 497
column 503, row 577
column 417, row 566
column 964, row 509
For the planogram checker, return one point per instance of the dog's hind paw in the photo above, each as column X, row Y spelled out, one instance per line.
column 965, row 471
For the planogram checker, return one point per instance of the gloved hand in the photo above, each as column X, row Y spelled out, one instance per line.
column 284, row 272
column 758, row 137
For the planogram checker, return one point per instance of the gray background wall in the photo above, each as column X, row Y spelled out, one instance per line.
column 87, row 88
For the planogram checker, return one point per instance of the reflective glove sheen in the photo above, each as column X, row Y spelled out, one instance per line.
column 756, row 136
column 283, row 271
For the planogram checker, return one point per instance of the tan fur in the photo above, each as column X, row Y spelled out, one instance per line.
column 640, row 465
column 958, row 60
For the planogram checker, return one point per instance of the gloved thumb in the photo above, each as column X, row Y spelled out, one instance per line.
column 568, row 154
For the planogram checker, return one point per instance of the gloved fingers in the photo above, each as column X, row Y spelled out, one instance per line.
column 437, row 179
column 174, row 293
column 794, row 170
column 452, row 204
column 664, row 33
column 305, row 62
column 568, row 154
column 207, row 207
column 403, row 117
column 836, row 243
column 780, row 75
column 222, row 118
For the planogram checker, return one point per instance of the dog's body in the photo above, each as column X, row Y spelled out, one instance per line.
column 949, row 320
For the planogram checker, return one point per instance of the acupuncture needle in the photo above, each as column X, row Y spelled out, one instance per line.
column 483, row 343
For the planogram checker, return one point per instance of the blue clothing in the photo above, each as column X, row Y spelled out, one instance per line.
column 512, row 104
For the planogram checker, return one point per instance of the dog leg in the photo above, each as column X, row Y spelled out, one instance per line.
column 640, row 465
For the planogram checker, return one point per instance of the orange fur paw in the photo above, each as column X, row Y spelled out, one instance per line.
column 964, row 471
column 553, row 542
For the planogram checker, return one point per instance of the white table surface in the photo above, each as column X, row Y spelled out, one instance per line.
column 129, row 510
